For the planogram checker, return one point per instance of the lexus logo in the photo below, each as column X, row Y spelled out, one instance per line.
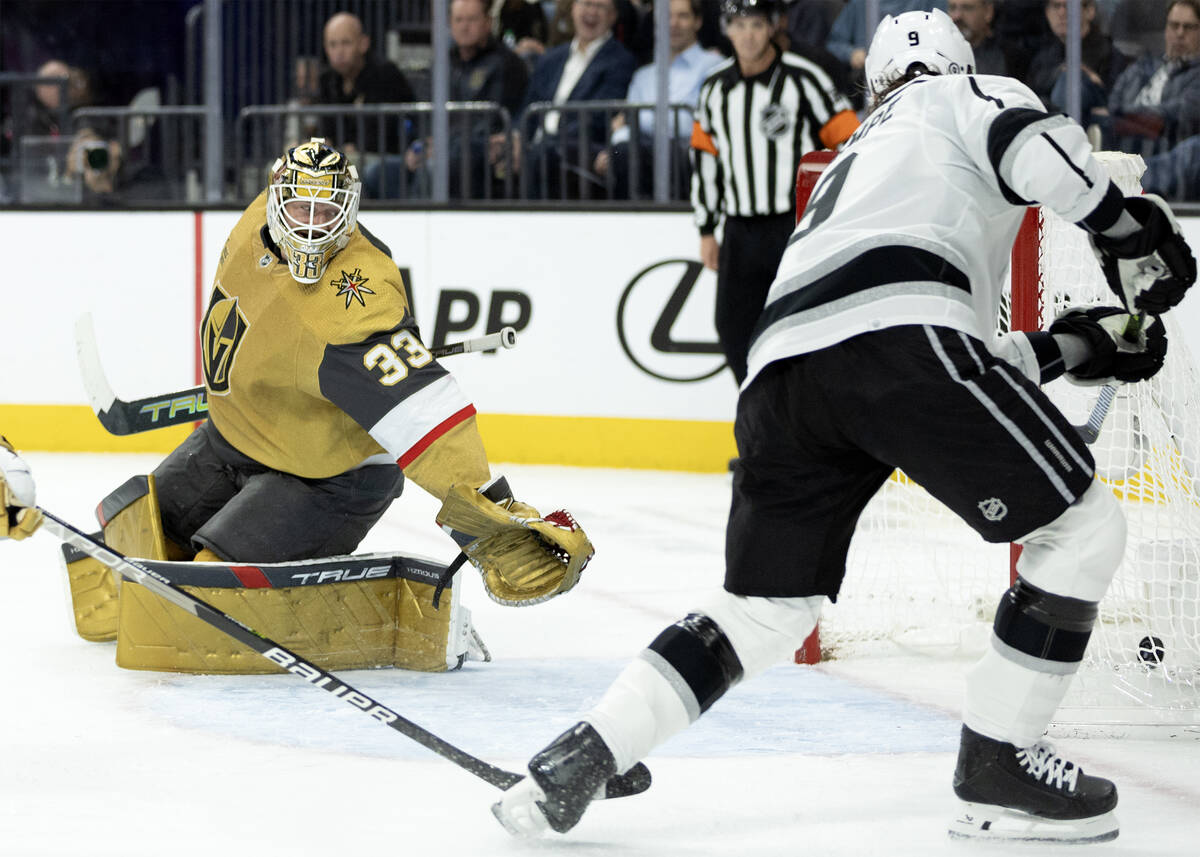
column 665, row 322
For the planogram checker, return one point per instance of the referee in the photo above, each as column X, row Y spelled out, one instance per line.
column 758, row 113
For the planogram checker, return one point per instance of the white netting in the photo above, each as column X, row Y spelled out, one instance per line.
column 920, row 578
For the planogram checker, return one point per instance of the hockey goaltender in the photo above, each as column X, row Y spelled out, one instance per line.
column 323, row 401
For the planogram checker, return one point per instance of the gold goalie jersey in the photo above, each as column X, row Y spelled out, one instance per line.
column 318, row 379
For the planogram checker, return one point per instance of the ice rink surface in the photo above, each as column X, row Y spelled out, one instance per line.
column 847, row 759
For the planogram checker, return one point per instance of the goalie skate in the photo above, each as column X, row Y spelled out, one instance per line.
column 1030, row 794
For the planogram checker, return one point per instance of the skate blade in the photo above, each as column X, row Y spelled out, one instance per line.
column 633, row 782
column 518, row 811
column 983, row 821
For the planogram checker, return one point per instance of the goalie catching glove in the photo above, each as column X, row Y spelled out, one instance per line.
column 1151, row 266
column 20, row 516
column 524, row 558
column 1121, row 348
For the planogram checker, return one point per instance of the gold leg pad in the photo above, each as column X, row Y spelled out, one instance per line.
column 335, row 626
column 135, row 529
column 94, row 599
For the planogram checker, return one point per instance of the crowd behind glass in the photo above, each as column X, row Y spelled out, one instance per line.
column 102, row 103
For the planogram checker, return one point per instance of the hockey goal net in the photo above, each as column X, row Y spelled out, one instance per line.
column 921, row 580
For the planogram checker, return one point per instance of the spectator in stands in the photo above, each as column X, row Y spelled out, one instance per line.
column 1104, row 13
column 850, row 34
column 808, row 22
column 521, row 25
column 46, row 109
column 482, row 68
column 624, row 29
column 711, row 30
column 1100, row 63
column 690, row 65
column 1021, row 25
column 974, row 20
column 1175, row 173
column 355, row 76
column 1137, row 26
column 1156, row 101
column 804, row 29
column 94, row 156
column 593, row 66
column 96, row 159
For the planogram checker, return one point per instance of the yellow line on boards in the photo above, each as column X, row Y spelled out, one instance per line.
column 692, row 445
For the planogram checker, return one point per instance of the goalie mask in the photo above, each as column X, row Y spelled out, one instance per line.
column 927, row 38
column 312, row 207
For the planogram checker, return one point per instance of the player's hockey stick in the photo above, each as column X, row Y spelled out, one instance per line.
column 1090, row 430
column 634, row 781
column 122, row 417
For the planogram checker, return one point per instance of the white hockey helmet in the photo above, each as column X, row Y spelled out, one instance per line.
column 928, row 38
column 312, row 206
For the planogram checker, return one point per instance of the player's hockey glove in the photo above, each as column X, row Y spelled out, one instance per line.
column 524, row 558
column 1151, row 268
column 1120, row 350
column 19, row 517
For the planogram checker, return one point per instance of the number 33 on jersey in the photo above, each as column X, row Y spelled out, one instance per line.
column 316, row 379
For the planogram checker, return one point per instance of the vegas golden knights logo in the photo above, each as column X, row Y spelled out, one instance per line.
column 220, row 335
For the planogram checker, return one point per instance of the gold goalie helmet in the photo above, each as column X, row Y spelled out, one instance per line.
column 312, row 206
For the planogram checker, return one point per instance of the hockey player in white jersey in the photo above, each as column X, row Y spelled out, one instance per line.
column 871, row 354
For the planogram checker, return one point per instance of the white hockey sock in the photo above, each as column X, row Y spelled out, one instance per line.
column 1010, row 702
column 1077, row 554
column 731, row 638
column 637, row 713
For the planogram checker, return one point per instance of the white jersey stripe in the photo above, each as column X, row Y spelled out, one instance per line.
column 407, row 425
column 1034, row 129
column 996, row 411
column 738, row 154
column 891, row 306
column 1066, row 445
column 973, row 149
column 798, row 279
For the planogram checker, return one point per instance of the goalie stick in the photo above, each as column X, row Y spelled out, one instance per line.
column 634, row 781
column 121, row 417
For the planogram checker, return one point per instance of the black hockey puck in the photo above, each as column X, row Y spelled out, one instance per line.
column 1151, row 651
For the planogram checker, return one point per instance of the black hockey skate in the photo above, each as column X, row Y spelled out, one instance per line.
column 563, row 780
column 1029, row 794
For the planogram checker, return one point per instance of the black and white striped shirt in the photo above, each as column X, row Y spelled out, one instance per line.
column 750, row 133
